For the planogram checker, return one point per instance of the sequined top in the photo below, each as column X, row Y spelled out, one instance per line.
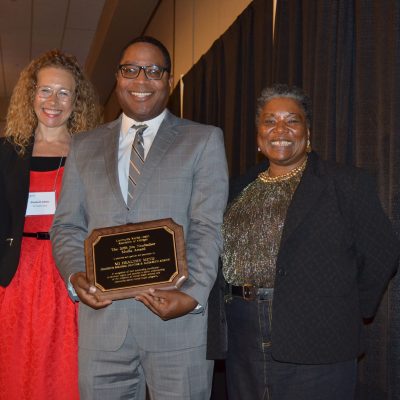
column 252, row 231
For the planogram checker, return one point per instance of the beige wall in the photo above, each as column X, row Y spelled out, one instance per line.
column 161, row 25
column 188, row 28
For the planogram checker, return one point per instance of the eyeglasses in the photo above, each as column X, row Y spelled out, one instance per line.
column 132, row 71
column 45, row 92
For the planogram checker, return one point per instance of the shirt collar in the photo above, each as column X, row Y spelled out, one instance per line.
column 153, row 124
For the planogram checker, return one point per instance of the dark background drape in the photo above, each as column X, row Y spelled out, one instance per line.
column 346, row 55
column 221, row 87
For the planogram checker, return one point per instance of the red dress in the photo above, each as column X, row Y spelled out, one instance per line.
column 38, row 321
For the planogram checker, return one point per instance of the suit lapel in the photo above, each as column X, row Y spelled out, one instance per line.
column 304, row 199
column 18, row 178
column 164, row 138
column 110, row 151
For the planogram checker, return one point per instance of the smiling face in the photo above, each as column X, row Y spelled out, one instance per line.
column 282, row 134
column 53, row 112
column 140, row 98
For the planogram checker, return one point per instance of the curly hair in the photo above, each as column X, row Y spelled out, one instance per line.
column 22, row 121
column 284, row 90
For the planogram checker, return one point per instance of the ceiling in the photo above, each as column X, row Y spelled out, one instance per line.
column 93, row 30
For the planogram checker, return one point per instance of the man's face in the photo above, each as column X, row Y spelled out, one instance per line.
column 141, row 98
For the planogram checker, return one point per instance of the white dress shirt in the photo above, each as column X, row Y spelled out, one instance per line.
column 126, row 138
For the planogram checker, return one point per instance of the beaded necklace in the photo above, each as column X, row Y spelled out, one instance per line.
column 264, row 176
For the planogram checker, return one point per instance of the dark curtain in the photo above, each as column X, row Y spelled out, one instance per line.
column 346, row 55
column 314, row 49
column 377, row 148
column 222, row 87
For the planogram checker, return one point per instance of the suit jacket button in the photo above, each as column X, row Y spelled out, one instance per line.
column 281, row 272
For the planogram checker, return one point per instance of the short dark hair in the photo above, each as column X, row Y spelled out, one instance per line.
column 284, row 90
column 154, row 42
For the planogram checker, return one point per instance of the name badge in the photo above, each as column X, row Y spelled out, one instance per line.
column 41, row 203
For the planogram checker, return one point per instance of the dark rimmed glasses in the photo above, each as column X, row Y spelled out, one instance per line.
column 64, row 95
column 132, row 71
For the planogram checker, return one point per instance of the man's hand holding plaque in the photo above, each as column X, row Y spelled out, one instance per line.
column 167, row 304
column 125, row 261
column 87, row 293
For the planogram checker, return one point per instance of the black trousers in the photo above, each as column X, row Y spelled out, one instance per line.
column 252, row 373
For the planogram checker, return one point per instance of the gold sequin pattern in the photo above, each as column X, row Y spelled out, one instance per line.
column 252, row 231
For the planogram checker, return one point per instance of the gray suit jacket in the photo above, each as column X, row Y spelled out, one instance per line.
column 184, row 177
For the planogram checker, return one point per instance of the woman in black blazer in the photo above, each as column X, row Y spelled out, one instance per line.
column 308, row 253
column 38, row 329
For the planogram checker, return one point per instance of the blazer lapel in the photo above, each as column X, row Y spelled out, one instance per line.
column 19, row 180
column 110, row 151
column 161, row 144
column 304, row 199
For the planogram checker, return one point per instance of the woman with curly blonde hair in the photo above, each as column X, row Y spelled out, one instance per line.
column 21, row 117
column 51, row 101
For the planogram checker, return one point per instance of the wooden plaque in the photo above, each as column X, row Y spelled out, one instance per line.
column 122, row 261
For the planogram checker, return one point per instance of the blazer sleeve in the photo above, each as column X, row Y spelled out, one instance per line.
column 69, row 228
column 14, row 190
column 377, row 247
column 206, row 208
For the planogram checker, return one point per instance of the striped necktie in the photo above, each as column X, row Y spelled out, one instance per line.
column 137, row 159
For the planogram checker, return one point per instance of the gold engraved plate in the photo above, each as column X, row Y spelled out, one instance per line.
column 122, row 261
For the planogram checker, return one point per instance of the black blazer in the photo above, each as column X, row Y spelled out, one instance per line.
column 337, row 254
column 14, row 191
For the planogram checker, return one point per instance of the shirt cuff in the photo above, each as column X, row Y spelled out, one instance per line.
column 199, row 309
column 71, row 290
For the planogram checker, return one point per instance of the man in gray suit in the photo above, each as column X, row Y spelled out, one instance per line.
column 159, row 337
